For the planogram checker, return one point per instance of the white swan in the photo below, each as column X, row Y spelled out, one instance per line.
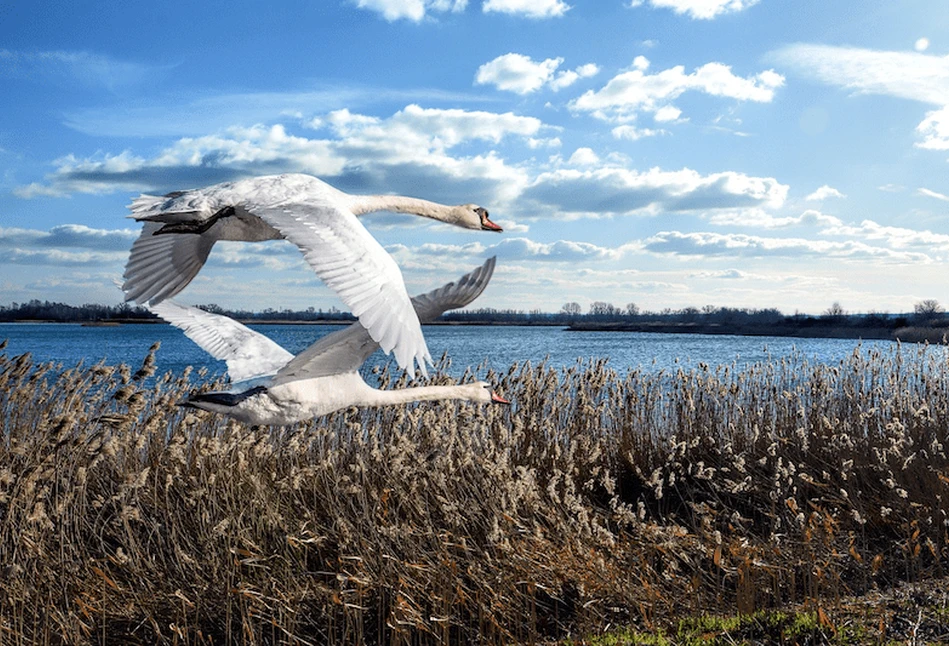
column 181, row 228
column 278, row 388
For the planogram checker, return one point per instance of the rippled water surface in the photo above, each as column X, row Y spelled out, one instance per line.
column 466, row 346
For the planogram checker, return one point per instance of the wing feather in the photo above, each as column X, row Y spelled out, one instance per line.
column 353, row 264
column 347, row 349
column 160, row 266
column 248, row 354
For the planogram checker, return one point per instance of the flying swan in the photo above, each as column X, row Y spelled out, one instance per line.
column 271, row 386
column 181, row 228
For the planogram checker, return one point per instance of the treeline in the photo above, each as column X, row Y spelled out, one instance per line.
column 37, row 310
column 607, row 313
column 924, row 313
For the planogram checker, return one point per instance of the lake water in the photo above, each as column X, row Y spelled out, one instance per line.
column 498, row 346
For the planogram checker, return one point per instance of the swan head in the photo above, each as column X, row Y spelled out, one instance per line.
column 475, row 217
column 485, row 393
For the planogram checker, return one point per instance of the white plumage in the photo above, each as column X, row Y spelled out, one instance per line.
column 324, row 377
column 181, row 228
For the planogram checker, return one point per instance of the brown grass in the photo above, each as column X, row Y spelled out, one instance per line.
column 598, row 499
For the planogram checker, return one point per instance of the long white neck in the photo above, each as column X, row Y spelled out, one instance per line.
column 423, row 393
column 361, row 204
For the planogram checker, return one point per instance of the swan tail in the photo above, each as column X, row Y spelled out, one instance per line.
column 158, row 208
column 217, row 402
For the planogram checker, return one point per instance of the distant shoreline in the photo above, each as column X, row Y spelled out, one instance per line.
column 906, row 334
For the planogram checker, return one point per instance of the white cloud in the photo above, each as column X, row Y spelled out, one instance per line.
column 823, row 193
column 414, row 10
column 921, row 44
column 569, row 77
column 510, row 226
column 699, row 9
column 517, row 73
column 667, row 113
column 516, row 249
column 615, row 190
column 758, row 218
column 909, row 75
column 527, row 8
column 742, row 245
column 895, row 237
column 66, row 245
column 559, row 251
column 368, row 154
column 583, row 157
column 634, row 91
column 723, row 273
column 214, row 157
column 632, row 133
column 522, row 75
column 934, row 130
column 60, row 257
column 69, row 235
column 453, row 126
column 200, row 113
column 933, row 194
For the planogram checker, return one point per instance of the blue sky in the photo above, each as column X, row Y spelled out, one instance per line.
column 669, row 153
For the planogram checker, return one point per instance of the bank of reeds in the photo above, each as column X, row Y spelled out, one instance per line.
column 598, row 499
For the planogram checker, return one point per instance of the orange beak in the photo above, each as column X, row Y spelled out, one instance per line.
column 488, row 225
column 497, row 399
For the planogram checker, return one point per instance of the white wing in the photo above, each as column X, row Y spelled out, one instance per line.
column 248, row 354
column 345, row 350
column 354, row 265
column 161, row 266
column 455, row 295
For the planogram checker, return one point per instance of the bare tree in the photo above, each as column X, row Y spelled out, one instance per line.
column 835, row 311
column 689, row 313
column 571, row 309
column 602, row 308
column 632, row 309
column 928, row 309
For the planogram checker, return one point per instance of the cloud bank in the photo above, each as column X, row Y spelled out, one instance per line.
column 699, row 9
column 522, row 75
column 635, row 91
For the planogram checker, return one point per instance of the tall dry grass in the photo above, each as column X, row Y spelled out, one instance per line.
column 597, row 499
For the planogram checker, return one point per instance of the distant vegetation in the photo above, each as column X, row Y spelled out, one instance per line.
column 597, row 500
column 37, row 310
column 928, row 321
column 928, row 312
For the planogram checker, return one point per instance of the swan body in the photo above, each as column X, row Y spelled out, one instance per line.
column 277, row 388
column 308, row 398
column 181, row 228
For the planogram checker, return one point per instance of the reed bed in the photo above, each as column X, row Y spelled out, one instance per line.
column 598, row 499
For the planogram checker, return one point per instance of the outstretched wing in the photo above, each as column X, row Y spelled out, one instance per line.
column 455, row 295
column 161, row 266
column 345, row 350
column 248, row 354
column 354, row 265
